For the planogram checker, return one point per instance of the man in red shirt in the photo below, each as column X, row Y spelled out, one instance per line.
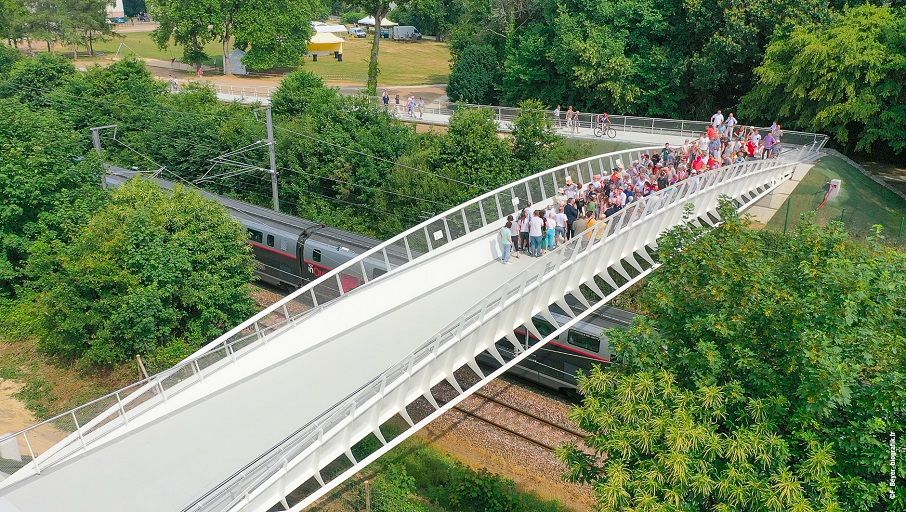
column 712, row 132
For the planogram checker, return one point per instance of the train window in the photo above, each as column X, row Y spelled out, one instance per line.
column 255, row 236
column 316, row 254
column 270, row 240
column 583, row 340
column 544, row 327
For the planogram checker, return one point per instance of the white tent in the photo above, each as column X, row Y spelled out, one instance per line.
column 369, row 21
column 330, row 29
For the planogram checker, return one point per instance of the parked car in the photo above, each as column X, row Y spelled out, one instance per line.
column 119, row 20
column 385, row 33
column 357, row 32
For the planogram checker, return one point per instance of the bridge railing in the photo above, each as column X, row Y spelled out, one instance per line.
column 88, row 424
column 355, row 416
column 689, row 129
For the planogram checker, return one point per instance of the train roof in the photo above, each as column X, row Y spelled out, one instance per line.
column 118, row 175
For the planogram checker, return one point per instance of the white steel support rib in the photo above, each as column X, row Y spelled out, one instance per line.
column 534, row 296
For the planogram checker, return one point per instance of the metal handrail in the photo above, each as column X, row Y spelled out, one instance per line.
column 253, row 332
column 226, row 495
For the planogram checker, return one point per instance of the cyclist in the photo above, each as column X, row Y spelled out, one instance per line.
column 603, row 121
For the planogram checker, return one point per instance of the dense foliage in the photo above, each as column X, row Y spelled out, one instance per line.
column 770, row 374
column 845, row 76
column 66, row 22
column 45, row 185
column 100, row 279
column 798, row 61
column 273, row 34
column 151, row 269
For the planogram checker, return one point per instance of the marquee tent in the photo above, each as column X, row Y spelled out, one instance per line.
column 369, row 21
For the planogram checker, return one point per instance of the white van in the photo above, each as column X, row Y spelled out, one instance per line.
column 405, row 32
column 357, row 32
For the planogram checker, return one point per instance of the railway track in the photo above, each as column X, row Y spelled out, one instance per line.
column 523, row 424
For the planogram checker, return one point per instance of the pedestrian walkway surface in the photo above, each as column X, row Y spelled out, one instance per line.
column 171, row 462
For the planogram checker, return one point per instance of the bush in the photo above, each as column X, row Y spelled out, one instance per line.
column 8, row 57
column 394, row 491
column 151, row 268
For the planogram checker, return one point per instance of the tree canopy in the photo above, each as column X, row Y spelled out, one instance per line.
column 801, row 339
column 273, row 34
column 45, row 183
column 845, row 76
column 151, row 271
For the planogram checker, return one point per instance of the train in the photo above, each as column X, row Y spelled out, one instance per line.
column 290, row 252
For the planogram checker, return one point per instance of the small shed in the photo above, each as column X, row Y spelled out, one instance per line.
column 236, row 65
column 325, row 43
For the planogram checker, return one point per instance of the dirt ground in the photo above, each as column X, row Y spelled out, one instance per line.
column 14, row 417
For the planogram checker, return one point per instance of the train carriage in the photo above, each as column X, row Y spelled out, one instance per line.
column 291, row 252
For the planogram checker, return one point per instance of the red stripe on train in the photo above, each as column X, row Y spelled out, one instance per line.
column 571, row 349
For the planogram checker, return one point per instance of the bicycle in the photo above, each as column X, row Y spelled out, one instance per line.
column 606, row 129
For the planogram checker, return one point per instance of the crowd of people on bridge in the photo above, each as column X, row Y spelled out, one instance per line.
column 578, row 207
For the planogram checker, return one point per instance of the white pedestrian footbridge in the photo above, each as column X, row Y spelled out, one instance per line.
column 275, row 405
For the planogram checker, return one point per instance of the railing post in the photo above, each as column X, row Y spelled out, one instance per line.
column 31, row 452
column 78, row 429
column 123, row 409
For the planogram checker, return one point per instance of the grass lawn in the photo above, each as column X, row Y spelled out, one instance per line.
column 402, row 63
column 141, row 45
column 861, row 202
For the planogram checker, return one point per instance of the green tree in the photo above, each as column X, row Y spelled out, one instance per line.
column 272, row 33
column 121, row 93
column 32, row 80
column 151, row 269
column 846, row 76
column 475, row 75
column 43, row 178
column 13, row 21
column 473, row 152
column 709, row 447
column 431, row 17
column 8, row 57
column 84, row 22
column 533, row 135
column 809, row 328
column 299, row 91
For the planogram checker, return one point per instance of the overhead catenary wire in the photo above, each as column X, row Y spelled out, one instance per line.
column 161, row 108
column 409, row 167
column 314, row 175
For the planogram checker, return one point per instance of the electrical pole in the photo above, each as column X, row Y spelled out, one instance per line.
column 273, row 154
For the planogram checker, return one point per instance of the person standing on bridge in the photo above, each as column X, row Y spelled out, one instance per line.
column 506, row 242
column 557, row 117
column 572, row 213
column 524, row 231
column 536, row 230
column 385, row 98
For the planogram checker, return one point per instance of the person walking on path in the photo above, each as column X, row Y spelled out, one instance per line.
column 557, row 117
column 385, row 98
column 506, row 241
